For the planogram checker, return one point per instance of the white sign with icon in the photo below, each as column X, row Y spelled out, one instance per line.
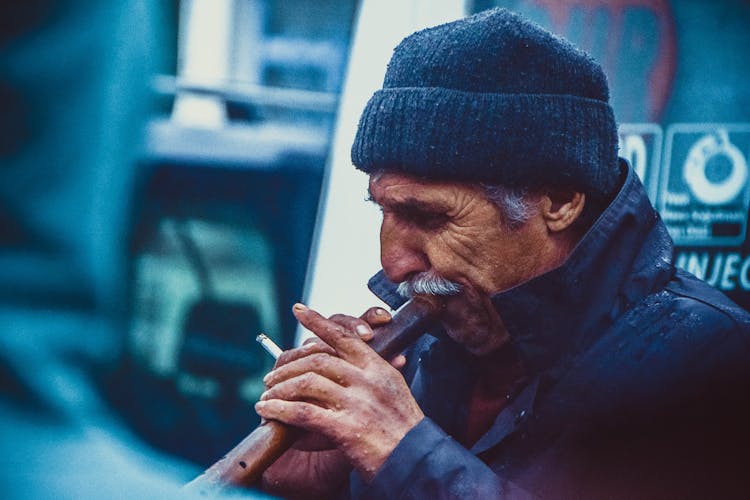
column 704, row 194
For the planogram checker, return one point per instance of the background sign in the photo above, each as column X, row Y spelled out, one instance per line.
column 704, row 193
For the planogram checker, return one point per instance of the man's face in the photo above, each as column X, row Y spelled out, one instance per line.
column 452, row 230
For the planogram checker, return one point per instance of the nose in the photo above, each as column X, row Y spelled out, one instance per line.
column 401, row 252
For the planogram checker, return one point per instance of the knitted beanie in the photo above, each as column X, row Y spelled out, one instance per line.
column 492, row 98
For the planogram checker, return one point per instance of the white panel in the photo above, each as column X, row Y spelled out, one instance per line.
column 346, row 247
column 205, row 39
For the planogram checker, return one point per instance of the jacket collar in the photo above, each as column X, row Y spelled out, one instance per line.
column 623, row 257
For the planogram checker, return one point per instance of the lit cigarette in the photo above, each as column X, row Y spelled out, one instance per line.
column 269, row 345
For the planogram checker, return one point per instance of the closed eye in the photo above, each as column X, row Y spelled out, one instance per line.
column 421, row 214
column 422, row 219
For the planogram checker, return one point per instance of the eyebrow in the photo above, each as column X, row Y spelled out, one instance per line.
column 409, row 204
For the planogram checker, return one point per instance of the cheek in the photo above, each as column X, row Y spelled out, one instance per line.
column 468, row 255
column 448, row 258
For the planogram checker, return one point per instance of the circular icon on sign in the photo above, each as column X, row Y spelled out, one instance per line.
column 715, row 150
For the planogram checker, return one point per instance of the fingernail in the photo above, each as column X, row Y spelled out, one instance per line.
column 380, row 312
column 260, row 405
column 299, row 307
column 363, row 330
column 263, row 396
column 267, row 378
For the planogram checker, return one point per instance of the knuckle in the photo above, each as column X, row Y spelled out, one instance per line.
column 271, row 394
column 374, row 373
column 319, row 361
column 368, row 377
column 344, row 323
column 307, row 380
column 284, row 358
column 288, row 356
column 346, row 400
column 338, row 329
column 302, row 413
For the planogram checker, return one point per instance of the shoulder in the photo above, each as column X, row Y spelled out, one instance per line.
column 686, row 318
column 681, row 345
column 657, row 404
column 689, row 327
column 692, row 294
column 664, row 389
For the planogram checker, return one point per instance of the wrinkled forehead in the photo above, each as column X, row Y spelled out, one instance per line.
column 395, row 187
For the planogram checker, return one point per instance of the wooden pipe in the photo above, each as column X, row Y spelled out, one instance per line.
column 246, row 462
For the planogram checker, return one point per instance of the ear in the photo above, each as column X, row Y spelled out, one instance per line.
column 561, row 208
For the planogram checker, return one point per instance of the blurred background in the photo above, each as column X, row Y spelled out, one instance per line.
column 174, row 175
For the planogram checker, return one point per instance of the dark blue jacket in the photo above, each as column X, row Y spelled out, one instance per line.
column 637, row 386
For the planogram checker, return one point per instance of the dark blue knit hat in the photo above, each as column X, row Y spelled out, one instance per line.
column 492, row 98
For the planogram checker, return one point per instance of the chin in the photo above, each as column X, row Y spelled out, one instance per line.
column 473, row 345
column 482, row 350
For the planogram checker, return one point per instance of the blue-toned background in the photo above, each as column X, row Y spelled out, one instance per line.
column 161, row 163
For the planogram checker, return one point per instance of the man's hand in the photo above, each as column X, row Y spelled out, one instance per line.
column 314, row 468
column 343, row 390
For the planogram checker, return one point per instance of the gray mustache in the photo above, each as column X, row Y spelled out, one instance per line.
column 427, row 283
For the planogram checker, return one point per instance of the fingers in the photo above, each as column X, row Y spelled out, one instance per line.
column 357, row 325
column 311, row 346
column 347, row 343
column 376, row 316
column 324, row 364
column 398, row 361
column 297, row 413
column 309, row 387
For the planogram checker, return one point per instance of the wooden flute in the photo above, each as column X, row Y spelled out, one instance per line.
column 246, row 462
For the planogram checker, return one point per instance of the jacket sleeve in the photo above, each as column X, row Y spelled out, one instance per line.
column 429, row 464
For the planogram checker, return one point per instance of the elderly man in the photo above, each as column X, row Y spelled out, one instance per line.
column 573, row 359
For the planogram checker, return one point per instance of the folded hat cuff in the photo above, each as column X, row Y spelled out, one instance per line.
column 512, row 139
